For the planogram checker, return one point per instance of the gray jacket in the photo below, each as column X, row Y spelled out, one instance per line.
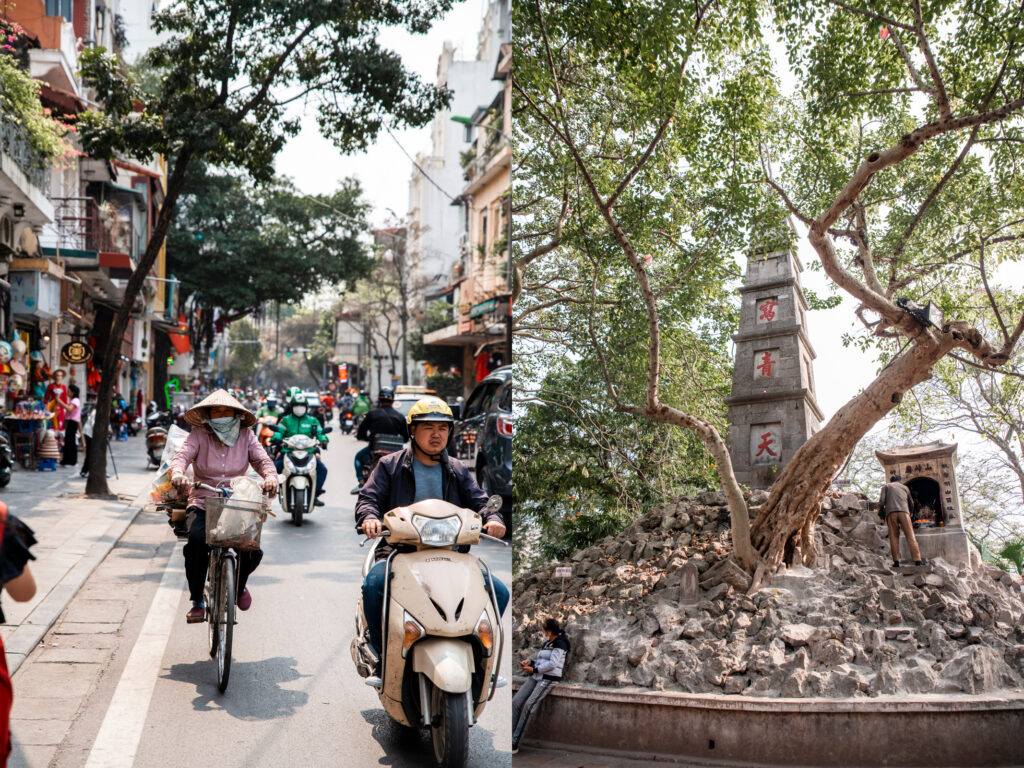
column 550, row 659
column 895, row 497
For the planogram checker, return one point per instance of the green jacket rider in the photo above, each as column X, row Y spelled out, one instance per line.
column 299, row 422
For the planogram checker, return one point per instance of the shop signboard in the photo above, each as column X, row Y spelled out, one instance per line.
column 76, row 352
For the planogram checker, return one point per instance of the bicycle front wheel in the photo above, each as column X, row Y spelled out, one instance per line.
column 212, row 594
column 225, row 620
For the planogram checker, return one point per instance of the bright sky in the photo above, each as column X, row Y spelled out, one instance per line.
column 383, row 170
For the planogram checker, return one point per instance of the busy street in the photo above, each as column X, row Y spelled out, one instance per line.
column 121, row 679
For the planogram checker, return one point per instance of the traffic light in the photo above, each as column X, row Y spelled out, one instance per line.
column 170, row 359
column 287, row 351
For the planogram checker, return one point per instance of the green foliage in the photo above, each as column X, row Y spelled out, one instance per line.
column 577, row 457
column 228, row 71
column 1013, row 552
column 437, row 315
column 581, row 530
column 447, row 385
column 20, row 105
column 687, row 204
column 275, row 243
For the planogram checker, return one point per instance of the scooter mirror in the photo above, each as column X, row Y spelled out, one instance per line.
column 493, row 504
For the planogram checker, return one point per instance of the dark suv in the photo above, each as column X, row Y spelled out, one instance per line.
column 483, row 433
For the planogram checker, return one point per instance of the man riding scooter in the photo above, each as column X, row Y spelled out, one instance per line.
column 422, row 471
column 382, row 420
column 299, row 422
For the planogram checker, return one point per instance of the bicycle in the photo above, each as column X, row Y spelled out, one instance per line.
column 220, row 591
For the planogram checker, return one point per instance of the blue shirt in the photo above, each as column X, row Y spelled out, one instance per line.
column 428, row 481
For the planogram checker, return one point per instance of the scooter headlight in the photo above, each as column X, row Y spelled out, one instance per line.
column 437, row 533
column 485, row 632
column 413, row 632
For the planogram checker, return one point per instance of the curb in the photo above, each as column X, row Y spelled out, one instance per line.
column 28, row 635
column 717, row 730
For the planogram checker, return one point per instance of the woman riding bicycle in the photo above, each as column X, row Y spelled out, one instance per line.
column 221, row 448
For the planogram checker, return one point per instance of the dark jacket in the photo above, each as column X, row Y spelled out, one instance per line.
column 383, row 421
column 393, row 484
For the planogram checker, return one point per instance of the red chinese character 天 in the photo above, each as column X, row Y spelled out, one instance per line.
column 766, row 442
column 768, row 310
column 765, row 366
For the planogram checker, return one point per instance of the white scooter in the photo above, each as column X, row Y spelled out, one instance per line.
column 297, row 489
column 441, row 626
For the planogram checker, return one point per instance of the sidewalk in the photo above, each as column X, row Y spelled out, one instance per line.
column 74, row 535
column 536, row 757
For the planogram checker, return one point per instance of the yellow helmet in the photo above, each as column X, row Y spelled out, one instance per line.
column 430, row 409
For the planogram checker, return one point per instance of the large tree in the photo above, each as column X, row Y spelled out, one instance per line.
column 223, row 81
column 651, row 134
column 277, row 244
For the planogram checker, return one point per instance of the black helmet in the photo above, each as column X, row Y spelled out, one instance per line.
column 386, row 393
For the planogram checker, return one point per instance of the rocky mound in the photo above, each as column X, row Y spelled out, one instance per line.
column 853, row 627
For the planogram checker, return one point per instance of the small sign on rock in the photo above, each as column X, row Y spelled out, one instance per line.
column 563, row 572
column 688, row 585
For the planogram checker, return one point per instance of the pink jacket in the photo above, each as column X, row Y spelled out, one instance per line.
column 216, row 464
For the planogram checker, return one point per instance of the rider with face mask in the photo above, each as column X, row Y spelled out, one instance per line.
column 220, row 448
column 298, row 422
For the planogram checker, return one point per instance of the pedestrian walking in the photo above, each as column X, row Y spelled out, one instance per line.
column 894, row 505
column 72, row 422
column 18, row 582
column 544, row 671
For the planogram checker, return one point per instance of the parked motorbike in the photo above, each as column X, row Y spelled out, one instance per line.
column 6, row 458
column 441, row 626
column 297, row 489
column 347, row 421
column 157, row 425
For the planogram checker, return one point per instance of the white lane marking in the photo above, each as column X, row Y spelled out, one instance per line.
column 119, row 735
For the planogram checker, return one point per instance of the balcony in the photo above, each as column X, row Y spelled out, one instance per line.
column 56, row 61
column 26, row 172
column 83, row 226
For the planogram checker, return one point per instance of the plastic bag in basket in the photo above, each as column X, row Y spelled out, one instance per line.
column 246, row 488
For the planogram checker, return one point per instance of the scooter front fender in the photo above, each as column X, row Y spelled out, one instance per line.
column 446, row 662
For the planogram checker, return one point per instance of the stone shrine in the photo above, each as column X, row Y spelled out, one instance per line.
column 929, row 471
column 772, row 408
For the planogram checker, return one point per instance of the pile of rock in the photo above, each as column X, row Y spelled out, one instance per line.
column 852, row 627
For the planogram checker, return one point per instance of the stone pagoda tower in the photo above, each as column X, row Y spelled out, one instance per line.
column 772, row 409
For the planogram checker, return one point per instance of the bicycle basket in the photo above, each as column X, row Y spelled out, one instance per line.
column 232, row 523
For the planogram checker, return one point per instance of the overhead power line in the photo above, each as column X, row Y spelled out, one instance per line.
column 417, row 165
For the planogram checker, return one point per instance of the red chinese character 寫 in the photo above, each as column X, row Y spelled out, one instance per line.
column 766, row 442
column 768, row 310
column 765, row 366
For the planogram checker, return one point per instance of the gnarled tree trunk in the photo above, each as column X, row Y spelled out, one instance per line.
column 793, row 504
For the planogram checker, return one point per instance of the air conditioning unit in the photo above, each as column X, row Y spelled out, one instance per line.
column 464, row 243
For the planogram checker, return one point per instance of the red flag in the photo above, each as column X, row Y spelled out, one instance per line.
column 883, row 32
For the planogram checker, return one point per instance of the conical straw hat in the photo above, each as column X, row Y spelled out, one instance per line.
column 195, row 414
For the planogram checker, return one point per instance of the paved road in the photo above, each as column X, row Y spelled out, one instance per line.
column 122, row 681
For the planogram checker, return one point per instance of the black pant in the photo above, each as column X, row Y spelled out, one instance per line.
column 70, row 456
column 85, row 456
column 197, row 556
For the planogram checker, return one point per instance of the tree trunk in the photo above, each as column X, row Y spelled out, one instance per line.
column 97, row 482
column 789, row 515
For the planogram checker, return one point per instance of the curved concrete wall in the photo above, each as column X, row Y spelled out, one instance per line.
column 744, row 731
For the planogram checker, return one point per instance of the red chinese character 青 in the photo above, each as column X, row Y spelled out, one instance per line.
column 766, row 442
column 765, row 366
column 768, row 310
